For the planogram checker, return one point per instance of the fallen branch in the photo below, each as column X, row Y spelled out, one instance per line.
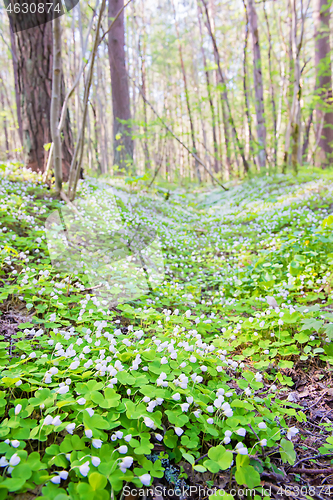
column 299, row 470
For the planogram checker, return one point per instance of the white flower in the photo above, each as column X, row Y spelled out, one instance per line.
column 164, row 360
column 126, row 463
column 258, row 377
column 210, row 409
column 84, row 469
column 263, row 442
column 3, row 462
column 70, row 428
column 145, row 479
column 176, row 396
column 179, row 431
column 210, row 420
column 15, row 443
column 193, row 359
column 55, row 479
column 185, row 407
column 128, row 438
column 97, row 443
column 280, row 322
column 159, row 437
column 81, row 401
column 48, row 420
column 241, row 449
column 56, row 421
column 197, row 413
column 14, row 460
column 90, row 411
column 63, row 474
column 262, row 425
column 88, row 433
column 95, row 461
column 149, row 423
column 189, row 399
column 273, row 387
column 146, row 399
column 188, row 313
column 63, row 390
column 18, row 408
column 292, row 432
column 241, row 432
column 248, row 391
column 123, row 449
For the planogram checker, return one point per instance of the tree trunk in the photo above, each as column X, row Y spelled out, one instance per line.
column 245, row 86
column 224, row 94
column 210, row 99
column 258, row 84
column 17, row 94
column 271, row 88
column 34, row 70
column 122, row 138
column 324, row 109
column 55, row 103
column 197, row 169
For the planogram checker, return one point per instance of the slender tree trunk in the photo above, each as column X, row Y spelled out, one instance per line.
column 4, row 122
column 55, row 103
column 271, row 89
column 34, row 70
column 245, row 86
column 123, row 146
column 209, row 93
column 197, row 169
column 142, row 55
column 17, row 93
column 293, row 134
column 258, row 84
column 307, row 137
column 324, row 109
column 224, row 92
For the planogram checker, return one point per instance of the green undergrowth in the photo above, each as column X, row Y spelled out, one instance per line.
column 195, row 373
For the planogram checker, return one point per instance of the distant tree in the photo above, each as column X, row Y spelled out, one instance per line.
column 122, row 137
column 324, row 109
column 258, row 83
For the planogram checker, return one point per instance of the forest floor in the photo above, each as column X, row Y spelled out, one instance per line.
column 179, row 342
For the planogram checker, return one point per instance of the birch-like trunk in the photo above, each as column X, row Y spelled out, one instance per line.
column 324, row 109
column 258, row 84
column 55, row 103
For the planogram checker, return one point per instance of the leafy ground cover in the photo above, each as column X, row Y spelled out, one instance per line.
column 219, row 375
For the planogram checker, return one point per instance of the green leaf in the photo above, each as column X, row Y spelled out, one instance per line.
column 287, row 453
column 97, row 481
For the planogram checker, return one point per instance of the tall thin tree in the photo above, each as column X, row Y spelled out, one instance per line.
column 258, row 84
column 123, row 145
column 324, row 109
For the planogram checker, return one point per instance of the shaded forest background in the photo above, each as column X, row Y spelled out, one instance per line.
column 186, row 90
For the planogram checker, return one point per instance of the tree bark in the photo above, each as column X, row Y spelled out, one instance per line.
column 324, row 109
column 17, row 94
column 122, row 139
column 258, row 84
column 55, row 103
column 197, row 169
column 271, row 88
column 245, row 86
column 225, row 93
column 34, row 71
column 210, row 99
